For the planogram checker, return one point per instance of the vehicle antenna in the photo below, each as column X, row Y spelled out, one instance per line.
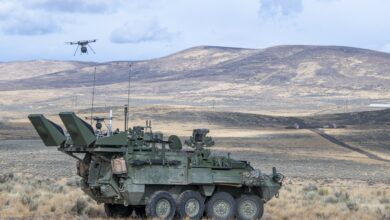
column 93, row 93
column 125, row 109
column 128, row 98
column 75, row 103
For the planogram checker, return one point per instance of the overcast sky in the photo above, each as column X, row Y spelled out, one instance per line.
column 140, row 29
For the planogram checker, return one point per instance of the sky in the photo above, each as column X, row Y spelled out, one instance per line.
column 140, row 29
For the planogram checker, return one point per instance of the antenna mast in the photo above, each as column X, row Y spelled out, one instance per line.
column 75, row 103
column 127, row 116
column 93, row 93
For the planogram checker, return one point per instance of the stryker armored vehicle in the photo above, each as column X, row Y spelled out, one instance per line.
column 138, row 170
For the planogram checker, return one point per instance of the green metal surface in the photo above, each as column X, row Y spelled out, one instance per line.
column 119, row 139
column 128, row 167
column 50, row 133
column 80, row 132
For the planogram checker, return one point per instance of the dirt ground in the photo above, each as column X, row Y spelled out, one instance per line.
column 295, row 153
column 325, row 179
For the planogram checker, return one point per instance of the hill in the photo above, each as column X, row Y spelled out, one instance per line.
column 328, row 66
column 310, row 78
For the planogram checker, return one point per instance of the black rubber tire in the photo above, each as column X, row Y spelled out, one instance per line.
column 140, row 212
column 255, row 200
column 184, row 198
column 214, row 200
column 152, row 203
column 117, row 210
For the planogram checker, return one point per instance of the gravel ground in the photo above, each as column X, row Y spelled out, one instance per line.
column 32, row 157
column 312, row 157
column 291, row 156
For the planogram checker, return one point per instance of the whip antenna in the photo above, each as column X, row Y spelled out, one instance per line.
column 93, row 93
column 127, row 116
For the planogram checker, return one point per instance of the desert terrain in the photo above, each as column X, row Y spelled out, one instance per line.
column 280, row 80
column 324, row 180
column 249, row 99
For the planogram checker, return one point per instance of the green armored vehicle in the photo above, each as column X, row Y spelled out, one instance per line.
column 140, row 171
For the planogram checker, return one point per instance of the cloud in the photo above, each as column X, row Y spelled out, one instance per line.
column 386, row 48
column 76, row 6
column 30, row 25
column 16, row 19
column 280, row 8
column 141, row 31
column 7, row 8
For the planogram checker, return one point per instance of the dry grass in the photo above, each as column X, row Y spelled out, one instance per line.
column 330, row 199
column 29, row 197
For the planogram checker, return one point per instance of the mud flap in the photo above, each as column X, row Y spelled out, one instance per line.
column 50, row 132
column 80, row 131
column 132, row 193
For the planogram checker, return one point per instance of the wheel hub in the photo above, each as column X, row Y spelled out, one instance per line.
column 248, row 209
column 221, row 208
column 163, row 208
column 192, row 207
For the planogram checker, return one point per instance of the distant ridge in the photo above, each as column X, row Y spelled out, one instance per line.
column 285, row 74
column 352, row 67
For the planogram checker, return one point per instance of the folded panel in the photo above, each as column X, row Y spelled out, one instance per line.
column 50, row 132
column 80, row 131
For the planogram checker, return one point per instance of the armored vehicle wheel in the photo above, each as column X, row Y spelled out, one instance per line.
column 190, row 205
column 249, row 207
column 161, row 205
column 221, row 206
column 117, row 210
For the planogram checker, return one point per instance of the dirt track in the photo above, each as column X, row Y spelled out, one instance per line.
column 342, row 144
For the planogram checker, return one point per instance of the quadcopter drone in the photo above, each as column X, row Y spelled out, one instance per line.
column 83, row 44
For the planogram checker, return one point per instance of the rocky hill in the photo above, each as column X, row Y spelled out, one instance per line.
column 288, row 77
column 325, row 66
